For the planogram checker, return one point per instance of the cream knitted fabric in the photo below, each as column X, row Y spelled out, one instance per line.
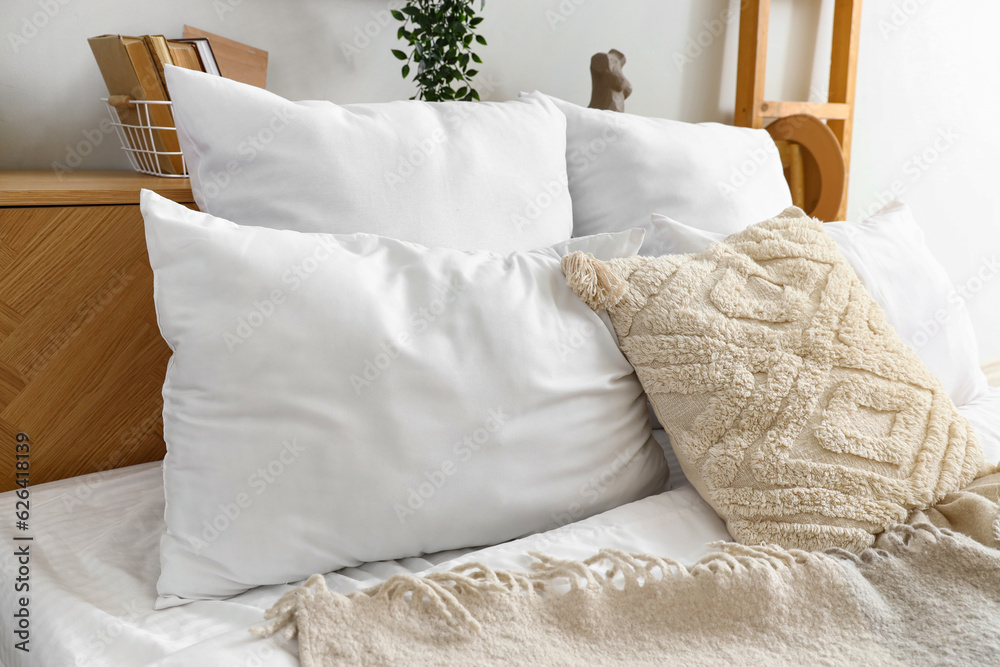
column 925, row 596
column 791, row 403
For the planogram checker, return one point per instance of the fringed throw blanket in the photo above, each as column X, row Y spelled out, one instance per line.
column 924, row 595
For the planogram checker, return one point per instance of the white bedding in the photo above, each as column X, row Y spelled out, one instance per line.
column 95, row 561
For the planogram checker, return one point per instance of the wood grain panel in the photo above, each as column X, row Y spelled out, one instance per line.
column 11, row 384
column 844, row 74
column 236, row 61
column 84, row 261
column 81, row 359
column 751, row 108
column 9, row 320
column 50, row 188
column 7, row 255
column 819, row 109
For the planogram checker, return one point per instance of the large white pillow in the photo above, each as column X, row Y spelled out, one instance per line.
column 890, row 255
column 333, row 400
column 466, row 175
column 623, row 167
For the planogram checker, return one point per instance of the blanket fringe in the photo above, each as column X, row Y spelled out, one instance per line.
column 284, row 610
column 893, row 541
column 439, row 591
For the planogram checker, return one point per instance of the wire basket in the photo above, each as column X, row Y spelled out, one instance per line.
column 148, row 135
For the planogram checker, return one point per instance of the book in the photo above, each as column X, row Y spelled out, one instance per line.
column 237, row 61
column 153, row 89
column 119, row 77
column 205, row 55
column 185, row 54
column 133, row 70
column 128, row 69
column 158, row 48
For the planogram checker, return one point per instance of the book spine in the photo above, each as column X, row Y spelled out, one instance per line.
column 165, row 137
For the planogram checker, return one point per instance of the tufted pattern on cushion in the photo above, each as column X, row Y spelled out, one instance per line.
column 791, row 403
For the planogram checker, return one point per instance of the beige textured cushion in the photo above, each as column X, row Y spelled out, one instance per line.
column 792, row 405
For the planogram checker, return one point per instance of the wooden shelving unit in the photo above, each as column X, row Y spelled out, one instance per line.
column 751, row 107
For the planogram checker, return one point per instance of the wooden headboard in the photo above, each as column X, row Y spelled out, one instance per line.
column 81, row 357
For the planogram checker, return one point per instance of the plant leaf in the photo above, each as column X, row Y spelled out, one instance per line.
column 441, row 34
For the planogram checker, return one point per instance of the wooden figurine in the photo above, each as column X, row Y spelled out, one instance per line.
column 609, row 85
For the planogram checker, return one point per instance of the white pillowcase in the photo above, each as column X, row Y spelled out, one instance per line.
column 333, row 400
column 890, row 254
column 464, row 175
column 623, row 167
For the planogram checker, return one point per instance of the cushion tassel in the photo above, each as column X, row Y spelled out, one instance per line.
column 593, row 280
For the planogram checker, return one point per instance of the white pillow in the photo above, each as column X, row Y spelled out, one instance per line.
column 464, row 175
column 890, row 254
column 623, row 167
column 333, row 400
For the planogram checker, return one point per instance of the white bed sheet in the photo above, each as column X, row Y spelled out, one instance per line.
column 95, row 561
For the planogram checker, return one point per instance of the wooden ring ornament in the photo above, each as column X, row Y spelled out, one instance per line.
column 826, row 176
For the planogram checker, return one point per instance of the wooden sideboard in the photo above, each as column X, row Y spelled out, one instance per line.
column 81, row 357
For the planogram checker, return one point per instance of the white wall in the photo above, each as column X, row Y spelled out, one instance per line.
column 926, row 86
column 927, row 104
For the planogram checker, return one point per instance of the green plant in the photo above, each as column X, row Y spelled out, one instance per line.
column 442, row 34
